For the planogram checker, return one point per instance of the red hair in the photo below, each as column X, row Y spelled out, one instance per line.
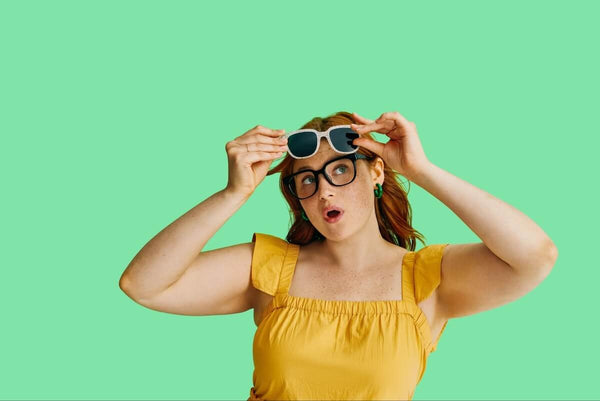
column 392, row 210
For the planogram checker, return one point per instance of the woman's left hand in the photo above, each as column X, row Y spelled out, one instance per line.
column 403, row 152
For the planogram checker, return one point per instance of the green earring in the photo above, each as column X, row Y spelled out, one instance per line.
column 304, row 216
column 378, row 191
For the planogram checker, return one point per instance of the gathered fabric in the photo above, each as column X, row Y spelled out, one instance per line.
column 307, row 348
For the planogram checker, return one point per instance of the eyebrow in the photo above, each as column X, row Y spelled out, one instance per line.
column 309, row 168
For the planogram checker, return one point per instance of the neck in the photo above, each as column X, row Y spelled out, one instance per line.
column 359, row 252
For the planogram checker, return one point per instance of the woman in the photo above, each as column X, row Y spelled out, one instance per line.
column 345, row 308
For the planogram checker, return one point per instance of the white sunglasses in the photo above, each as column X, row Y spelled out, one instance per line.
column 305, row 143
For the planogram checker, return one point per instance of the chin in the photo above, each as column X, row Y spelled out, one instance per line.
column 335, row 233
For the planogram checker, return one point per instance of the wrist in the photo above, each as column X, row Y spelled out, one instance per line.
column 235, row 196
column 422, row 173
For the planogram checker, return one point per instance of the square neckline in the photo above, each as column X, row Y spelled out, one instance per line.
column 285, row 294
column 282, row 298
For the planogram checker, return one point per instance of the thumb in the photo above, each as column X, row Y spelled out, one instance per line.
column 369, row 144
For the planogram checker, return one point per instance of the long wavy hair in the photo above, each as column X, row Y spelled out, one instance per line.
column 393, row 210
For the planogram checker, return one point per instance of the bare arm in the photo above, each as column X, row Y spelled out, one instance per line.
column 172, row 274
column 514, row 257
column 164, row 259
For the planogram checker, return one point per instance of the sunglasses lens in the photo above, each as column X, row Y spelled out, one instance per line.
column 302, row 144
column 342, row 138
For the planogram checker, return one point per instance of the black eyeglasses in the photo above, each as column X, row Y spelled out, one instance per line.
column 338, row 172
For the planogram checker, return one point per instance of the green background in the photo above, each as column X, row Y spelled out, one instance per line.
column 114, row 119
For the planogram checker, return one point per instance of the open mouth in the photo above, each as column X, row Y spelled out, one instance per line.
column 333, row 216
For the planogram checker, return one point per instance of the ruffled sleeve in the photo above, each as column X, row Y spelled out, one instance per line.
column 427, row 277
column 267, row 261
column 427, row 270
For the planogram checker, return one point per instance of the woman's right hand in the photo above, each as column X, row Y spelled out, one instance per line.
column 249, row 157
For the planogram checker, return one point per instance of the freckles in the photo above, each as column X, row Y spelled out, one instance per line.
column 361, row 199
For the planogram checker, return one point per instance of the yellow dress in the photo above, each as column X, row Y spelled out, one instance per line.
column 307, row 348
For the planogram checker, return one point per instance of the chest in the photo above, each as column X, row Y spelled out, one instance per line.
column 314, row 280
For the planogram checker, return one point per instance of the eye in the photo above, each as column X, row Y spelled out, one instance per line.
column 344, row 168
column 305, row 178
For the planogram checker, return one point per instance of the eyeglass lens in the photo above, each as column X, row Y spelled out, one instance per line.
column 341, row 172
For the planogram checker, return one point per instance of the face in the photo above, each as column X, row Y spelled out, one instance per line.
column 355, row 199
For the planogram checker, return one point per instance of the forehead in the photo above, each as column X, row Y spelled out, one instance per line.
column 315, row 162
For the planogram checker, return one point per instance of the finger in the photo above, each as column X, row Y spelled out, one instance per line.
column 394, row 115
column 259, row 129
column 264, row 147
column 374, row 126
column 253, row 157
column 257, row 147
column 369, row 144
column 262, row 138
column 361, row 119
column 270, row 132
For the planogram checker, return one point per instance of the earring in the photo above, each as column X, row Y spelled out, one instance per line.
column 378, row 191
column 304, row 216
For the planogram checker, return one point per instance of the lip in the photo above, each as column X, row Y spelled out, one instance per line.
column 333, row 219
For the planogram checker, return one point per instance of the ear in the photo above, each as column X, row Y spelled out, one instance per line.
column 377, row 170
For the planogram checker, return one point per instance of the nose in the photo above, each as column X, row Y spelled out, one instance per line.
column 325, row 188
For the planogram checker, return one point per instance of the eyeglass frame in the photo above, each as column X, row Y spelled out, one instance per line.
column 321, row 134
column 288, row 180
